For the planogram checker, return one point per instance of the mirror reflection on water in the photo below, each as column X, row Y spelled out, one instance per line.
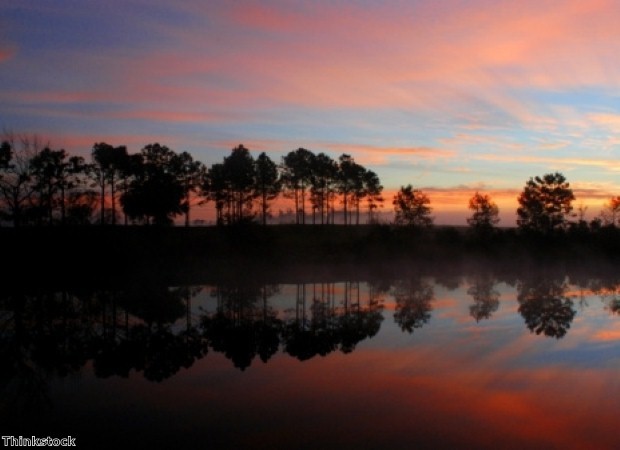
column 480, row 360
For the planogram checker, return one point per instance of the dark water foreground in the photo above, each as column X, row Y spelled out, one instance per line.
column 357, row 355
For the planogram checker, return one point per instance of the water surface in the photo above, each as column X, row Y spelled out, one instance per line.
column 480, row 360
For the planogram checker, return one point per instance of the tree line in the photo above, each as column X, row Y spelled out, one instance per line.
column 43, row 186
column 545, row 206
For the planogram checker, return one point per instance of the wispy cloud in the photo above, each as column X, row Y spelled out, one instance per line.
column 444, row 93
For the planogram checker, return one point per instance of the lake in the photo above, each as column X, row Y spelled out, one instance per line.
column 483, row 359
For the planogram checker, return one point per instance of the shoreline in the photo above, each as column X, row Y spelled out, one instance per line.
column 121, row 254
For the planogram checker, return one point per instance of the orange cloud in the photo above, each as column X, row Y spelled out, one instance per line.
column 607, row 336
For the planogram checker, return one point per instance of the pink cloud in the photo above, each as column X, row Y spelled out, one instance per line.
column 455, row 50
column 342, row 55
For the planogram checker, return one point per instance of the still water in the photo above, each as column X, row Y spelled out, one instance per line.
column 525, row 360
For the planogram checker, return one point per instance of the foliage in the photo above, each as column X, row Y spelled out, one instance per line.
column 545, row 203
column 372, row 191
column 109, row 165
column 412, row 207
column 155, row 194
column 17, row 190
column 485, row 212
column 350, row 184
column 611, row 211
column 267, row 183
column 323, row 190
column 190, row 174
column 296, row 177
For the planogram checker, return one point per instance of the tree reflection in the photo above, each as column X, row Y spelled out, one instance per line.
column 42, row 335
column 148, row 328
column 413, row 303
column 335, row 320
column 147, row 343
column 486, row 298
column 545, row 307
column 244, row 324
column 50, row 334
column 609, row 292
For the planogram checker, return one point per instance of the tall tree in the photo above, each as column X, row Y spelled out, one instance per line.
column 191, row 174
column 55, row 175
column 373, row 190
column 215, row 189
column 239, row 169
column 109, row 163
column 268, row 183
column 350, row 184
column 324, row 172
column 412, row 207
column 16, row 186
column 47, row 167
column 545, row 203
column 485, row 213
column 297, row 177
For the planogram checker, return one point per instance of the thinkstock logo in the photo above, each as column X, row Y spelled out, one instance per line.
column 12, row 441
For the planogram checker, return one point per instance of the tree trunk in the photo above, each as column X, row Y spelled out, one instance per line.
column 112, row 183
column 102, row 202
column 62, row 205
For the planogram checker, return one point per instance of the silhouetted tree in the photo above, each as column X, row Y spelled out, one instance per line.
column 297, row 177
column 109, row 164
column 190, row 174
column 411, row 207
column 45, row 168
column 611, row 211
column 372, row 190
column 324, row 173
column 5, row 154
column 16, row 186
column 239, row 171
column 81, row 207
column 350, row 184
column 216, row 189
column 155, row 194
column 55, row 175
column 485, row 213
column 267, row 183
column 544, row 203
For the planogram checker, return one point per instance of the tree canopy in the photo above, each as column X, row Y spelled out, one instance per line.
column 40, row 185
column 545, row 203
column 155, row 194
column 412, row 207
column 485, row 213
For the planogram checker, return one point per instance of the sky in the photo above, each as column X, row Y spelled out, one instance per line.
column 450, row 96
